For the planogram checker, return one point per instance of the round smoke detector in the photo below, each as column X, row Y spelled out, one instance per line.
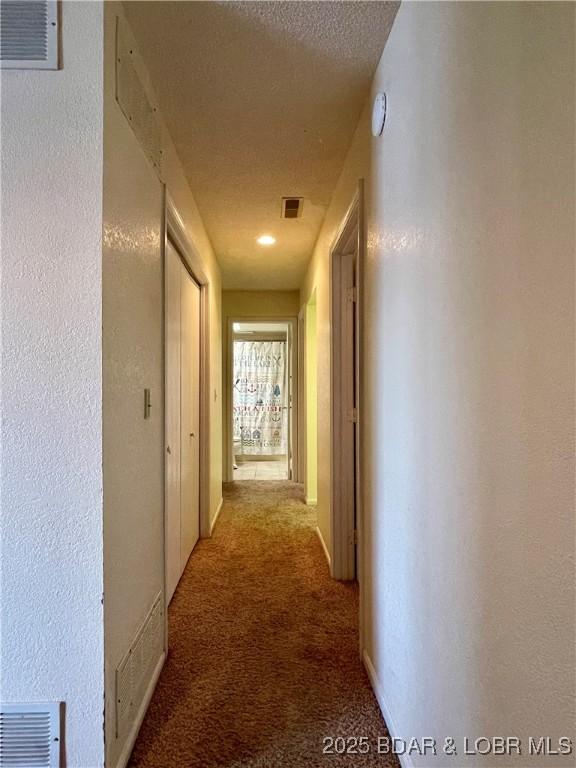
column 378, row 114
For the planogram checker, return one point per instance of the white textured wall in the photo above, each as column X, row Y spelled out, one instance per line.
column 133, row 360
column 469, row 379
column 52, row 622
column 133, row 341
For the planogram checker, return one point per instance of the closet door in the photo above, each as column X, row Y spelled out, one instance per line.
column 189, row 416
column 172, row 277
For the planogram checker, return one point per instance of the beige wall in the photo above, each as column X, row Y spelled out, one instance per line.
column 133, row 360
column 255, row 304
column 259, row 304
column 468, row 390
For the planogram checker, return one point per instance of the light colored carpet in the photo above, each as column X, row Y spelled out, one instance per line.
column 263, row 659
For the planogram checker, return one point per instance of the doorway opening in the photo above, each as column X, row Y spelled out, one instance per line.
column 262, row 400
column 346, row 260
column 311, row 400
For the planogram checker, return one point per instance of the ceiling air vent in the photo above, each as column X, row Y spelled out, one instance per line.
column 30, row 735
column 28, row 34
column 292, row 207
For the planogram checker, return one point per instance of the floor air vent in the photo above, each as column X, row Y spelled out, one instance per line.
column 134, row 672
column 30, row 735
column 292, row 207
column 28, row 34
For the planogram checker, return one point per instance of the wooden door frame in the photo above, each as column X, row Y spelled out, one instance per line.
column 302, row 455
column 350, row 237
column 175, row 231
column 303, row 319
column 294, row 431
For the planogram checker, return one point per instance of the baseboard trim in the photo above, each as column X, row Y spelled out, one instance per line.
column 324, row 547
column 216, row 516
column 131, row 740
column 311, row 502
column 405, row 760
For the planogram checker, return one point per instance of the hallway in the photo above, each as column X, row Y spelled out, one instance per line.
column 263, row 658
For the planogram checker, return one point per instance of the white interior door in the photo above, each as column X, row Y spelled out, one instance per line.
column 173, row 270
column 189, row 416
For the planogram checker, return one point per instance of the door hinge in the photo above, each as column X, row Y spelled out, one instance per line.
column 353, row 415
column 147, row 403
column 352, row 294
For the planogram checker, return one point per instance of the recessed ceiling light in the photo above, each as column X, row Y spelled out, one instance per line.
column 266, row 240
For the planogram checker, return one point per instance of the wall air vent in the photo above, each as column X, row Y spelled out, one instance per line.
column 28, row 34
column 30, row 735
column 292, row 207
column 136, row 669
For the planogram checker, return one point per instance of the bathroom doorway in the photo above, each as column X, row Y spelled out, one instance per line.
column 262, row 401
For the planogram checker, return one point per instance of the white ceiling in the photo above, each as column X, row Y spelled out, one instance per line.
column 261, row 100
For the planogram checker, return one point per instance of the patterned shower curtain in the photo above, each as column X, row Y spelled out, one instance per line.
column 260, row 419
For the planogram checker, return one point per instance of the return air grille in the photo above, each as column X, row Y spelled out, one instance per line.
column 292, row 207
column 28, row 34
column 30, row 735
column 134, row 672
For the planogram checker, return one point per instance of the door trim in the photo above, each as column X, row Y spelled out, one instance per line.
column 350, row 238
column 175, row 230
column 227, row 373
column 301, row 389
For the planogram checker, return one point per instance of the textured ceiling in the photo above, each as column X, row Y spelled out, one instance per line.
column 261, row 100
